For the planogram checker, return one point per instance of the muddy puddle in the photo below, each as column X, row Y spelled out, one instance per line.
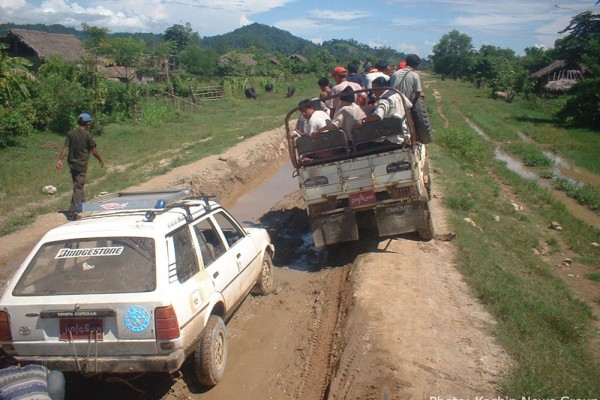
column 562, row 169
column 264, row 193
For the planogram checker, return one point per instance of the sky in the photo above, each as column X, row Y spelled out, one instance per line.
column 406, row 26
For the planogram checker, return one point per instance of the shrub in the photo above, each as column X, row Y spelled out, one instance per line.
column 14, row 124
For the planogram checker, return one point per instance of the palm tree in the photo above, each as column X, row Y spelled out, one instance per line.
column 13, row 73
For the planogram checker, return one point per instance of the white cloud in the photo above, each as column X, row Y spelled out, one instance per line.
column 297, row 26
column 12, row 4
column 337, row 15
column 244, row 20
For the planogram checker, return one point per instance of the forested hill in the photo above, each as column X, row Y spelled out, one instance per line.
column 262, row 37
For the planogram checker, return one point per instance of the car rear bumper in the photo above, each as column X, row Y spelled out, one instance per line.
column 126, row 364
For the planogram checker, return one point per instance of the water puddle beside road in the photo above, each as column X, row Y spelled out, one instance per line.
column 264, row 193
column 562, row 169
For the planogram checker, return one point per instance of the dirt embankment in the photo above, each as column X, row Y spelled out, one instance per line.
column 375, row 320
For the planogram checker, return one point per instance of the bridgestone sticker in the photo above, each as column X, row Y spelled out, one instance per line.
column 94, row 251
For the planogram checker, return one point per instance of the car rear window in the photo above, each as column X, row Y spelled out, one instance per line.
column 90, row 266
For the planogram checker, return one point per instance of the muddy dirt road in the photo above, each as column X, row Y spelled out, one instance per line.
column 386, row 319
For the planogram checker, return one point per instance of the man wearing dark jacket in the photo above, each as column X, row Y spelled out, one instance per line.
column 79, row 143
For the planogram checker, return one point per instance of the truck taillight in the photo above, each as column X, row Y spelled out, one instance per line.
column 5, row 335
column 167, row 326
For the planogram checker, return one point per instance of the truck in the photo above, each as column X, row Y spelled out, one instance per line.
column 357, row 181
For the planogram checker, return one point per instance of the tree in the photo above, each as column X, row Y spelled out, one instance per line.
column 535, row 58
column 126, row 52
column 97, row 43
column 181, row 35
column 495, row 67
column 453, row 54
column 199, row 60
column 582, row 29
column 13, row 73
column 582, row 45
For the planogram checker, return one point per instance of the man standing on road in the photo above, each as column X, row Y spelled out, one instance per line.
column 79, row 143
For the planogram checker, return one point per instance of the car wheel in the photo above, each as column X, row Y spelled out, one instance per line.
column 421, row 120
column 264, row 284
column 211, row 352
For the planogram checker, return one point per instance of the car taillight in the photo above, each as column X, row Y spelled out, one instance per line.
column 167, row 326
column 5, row 334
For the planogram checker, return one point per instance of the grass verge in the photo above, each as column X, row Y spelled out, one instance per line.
column 541, row 323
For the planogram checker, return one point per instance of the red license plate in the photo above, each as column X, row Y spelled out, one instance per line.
column 362, row 199
column 81, row 328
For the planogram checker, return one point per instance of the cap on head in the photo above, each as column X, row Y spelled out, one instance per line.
column 85, row 117
column 339, row 71
column 402, row 64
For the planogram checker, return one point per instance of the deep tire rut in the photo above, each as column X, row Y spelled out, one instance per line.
column 329, row 311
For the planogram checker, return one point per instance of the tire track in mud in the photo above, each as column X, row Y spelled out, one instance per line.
column 325, row 334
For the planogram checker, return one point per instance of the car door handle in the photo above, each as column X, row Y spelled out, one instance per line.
column 216, row 274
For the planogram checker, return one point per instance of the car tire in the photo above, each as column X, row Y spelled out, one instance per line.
column 211, row 352
column 421, row 120
column 264, row 283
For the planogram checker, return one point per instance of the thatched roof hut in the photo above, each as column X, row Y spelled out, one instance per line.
column 38, row 46
column 559, row 76
column 299, row 57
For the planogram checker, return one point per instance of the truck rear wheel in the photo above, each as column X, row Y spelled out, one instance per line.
column 421, row 120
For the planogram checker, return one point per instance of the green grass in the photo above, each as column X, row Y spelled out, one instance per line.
column 133, row 153
column 593, row 276
column 541, row 323
column 505, row 122
column 584, row 194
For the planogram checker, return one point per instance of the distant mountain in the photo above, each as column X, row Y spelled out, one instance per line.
column 262, row 37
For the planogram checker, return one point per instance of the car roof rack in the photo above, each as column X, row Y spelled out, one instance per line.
column 137, row 201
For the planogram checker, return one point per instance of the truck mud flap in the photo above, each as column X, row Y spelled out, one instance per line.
column 398, row 218
column 334, row 228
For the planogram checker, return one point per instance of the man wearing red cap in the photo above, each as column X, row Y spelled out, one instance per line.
column 339, row 74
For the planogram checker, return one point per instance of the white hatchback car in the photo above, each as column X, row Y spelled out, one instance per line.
column 141, row 283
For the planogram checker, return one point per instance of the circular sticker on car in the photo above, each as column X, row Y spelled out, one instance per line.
column 137, row 318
